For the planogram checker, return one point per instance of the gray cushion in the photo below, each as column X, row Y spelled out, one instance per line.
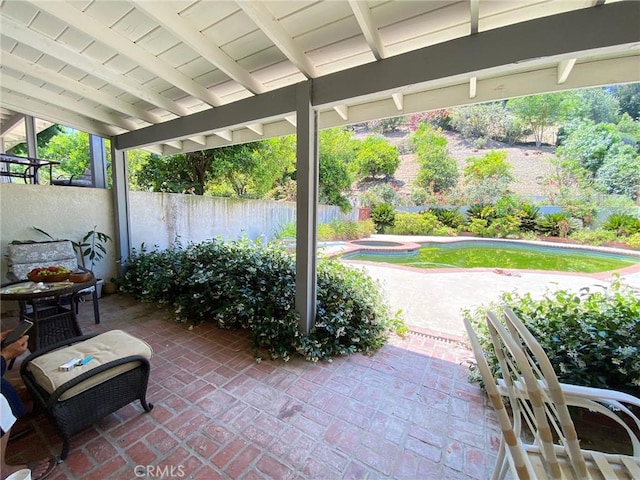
column 24, row 257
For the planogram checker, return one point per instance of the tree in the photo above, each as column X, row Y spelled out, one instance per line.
column 620, row 172
column 628, row 128
column 483, row 120
column 488, row 177
column 337, row 154
column 71, row 149
column 438, row 171
column 42, row 139
column 492, row 165
column 541, row 111
column 629, row 98
column 597, row 156
column 598, row 105
column 275, row 164
column 377, row 157
column 387, row 125
column 172, row 174
column 236, row 166
column 588, row 144
column 137, row 160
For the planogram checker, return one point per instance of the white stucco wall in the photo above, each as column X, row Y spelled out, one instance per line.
column 63, row 212
column 156, row 218
column 159, row 218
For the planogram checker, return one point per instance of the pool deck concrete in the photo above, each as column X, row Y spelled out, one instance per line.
column 432, row 300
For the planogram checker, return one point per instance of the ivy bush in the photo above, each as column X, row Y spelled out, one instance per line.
column 591, row 337
column 249, row 285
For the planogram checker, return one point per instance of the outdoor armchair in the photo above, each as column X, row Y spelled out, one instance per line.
column 539, row 438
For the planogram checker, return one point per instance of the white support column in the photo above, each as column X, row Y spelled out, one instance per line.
column 97, row 162
column 122, row 216
column 307, row 206
column 3, row 166
column 32, row 142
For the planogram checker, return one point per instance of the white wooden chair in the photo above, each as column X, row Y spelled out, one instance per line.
column 539, row 438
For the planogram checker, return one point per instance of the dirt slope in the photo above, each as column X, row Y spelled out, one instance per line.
column 531, row 165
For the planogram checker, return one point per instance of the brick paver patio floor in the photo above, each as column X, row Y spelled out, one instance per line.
column 406, row 412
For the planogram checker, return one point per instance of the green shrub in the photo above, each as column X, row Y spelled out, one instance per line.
column 634, row 240
column 444, row 231
column 414, row 223
column 252, row 286
column 492, row 164
column 438, row 170
column 450, row 218
column 419, row 195
column 375, row 157
column 336, row 230
column 350, row 230
column 528, row 215
column 387, row 125
column 383, row 217
column 593, row 237
column 481, row 211
column 622, row 224
column 583, row 207
column 502, row 227
column 382, row 193
column 620, row 172
column 482, row 120
column 559, row 224
column 591, row 338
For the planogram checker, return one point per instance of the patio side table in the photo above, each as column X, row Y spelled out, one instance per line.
column 52, row 320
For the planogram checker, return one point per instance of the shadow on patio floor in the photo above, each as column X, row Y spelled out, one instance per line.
column 406, row 412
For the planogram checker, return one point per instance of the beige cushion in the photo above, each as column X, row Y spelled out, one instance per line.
column 104, row 348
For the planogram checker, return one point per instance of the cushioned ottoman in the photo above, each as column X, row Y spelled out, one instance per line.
column 117, row 375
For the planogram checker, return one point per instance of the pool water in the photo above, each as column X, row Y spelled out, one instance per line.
column 502, row 255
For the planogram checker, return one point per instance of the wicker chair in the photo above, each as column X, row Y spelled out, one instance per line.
column 92, row 392
column 539, row 439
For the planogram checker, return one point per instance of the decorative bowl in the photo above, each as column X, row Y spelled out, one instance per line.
column 58, row 277
column 49, row 274
column 79, row 277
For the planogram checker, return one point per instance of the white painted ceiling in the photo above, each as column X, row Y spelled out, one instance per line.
column 112, row 67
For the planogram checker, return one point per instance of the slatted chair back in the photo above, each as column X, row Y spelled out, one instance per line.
column 544, row 407
column 515, row 451
column 541, row 400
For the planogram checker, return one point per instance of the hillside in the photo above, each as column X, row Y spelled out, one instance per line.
column 531, row 165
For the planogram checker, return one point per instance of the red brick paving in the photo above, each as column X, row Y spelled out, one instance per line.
column 406, row 412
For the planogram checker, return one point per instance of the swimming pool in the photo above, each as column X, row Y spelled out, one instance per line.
column 500, row 254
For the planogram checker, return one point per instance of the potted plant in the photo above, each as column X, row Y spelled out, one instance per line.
column 92, row 248
column 110, row 287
